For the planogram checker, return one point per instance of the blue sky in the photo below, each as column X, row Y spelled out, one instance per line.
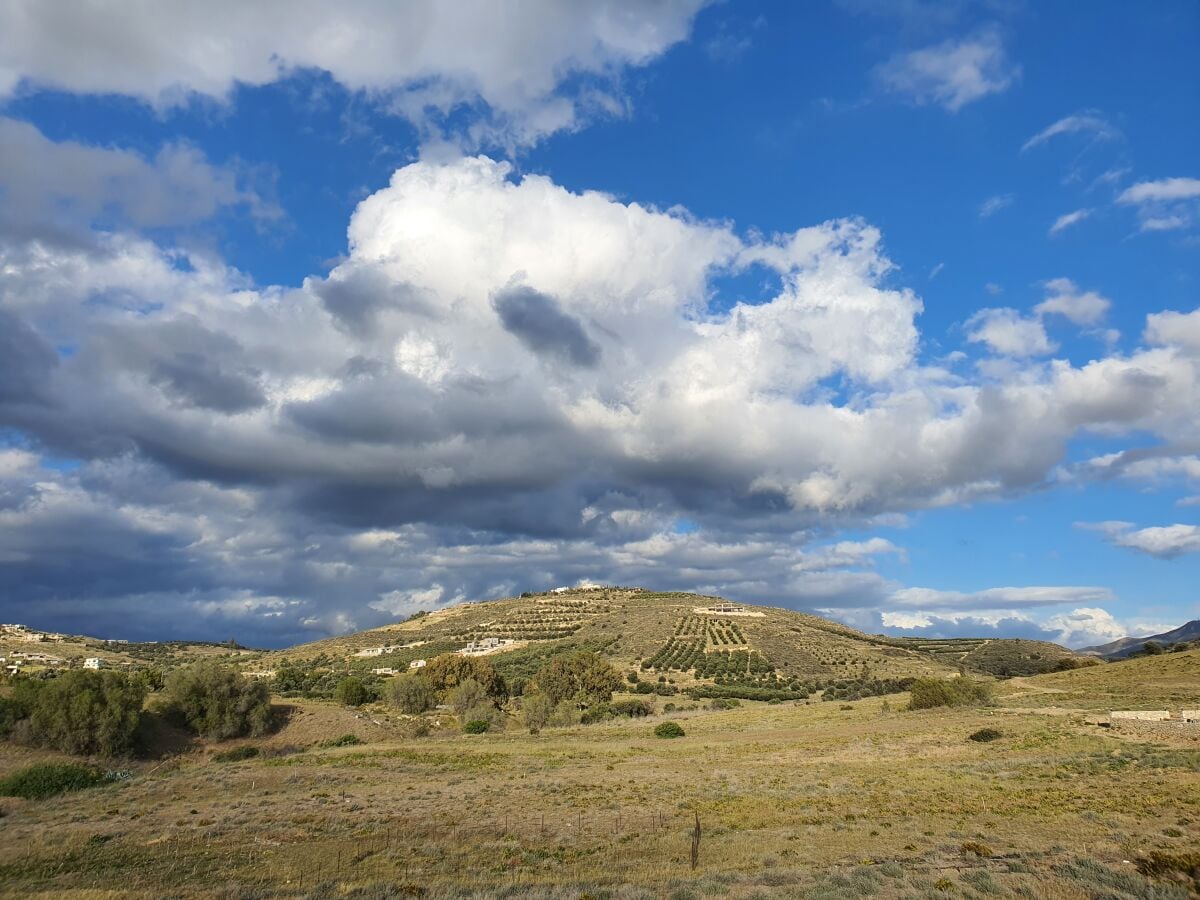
column 883, row 310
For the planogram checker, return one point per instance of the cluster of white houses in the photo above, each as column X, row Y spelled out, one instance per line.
column 14, row 662
column 14, row 632
column 389, row 670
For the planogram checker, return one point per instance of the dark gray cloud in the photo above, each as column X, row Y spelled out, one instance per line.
column 356, row 296
column 26, row 361
column 539, row 322
column 196, row 380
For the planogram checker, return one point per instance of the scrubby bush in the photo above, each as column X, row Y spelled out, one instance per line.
column 346, row 740
column 85, row 712
column 352, row 692
column 467, row 695
column 412, row 694
column 928, row 693
column 634, row 709
column 975, row 848
column 49, row 779
column 536, row 711
column 237, row 754
column 668, row 730
column 218, row 702
column 12, row 711
column 983, row 735
column 477, row 726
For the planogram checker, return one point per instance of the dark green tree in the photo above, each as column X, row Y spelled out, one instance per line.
column 451, row 669
column 582, row 677
column 412, row 694
column 87, row 712
column 352, row 692
column 218, row 702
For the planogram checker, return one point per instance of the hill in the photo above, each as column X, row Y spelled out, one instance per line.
column 1002, row 657
column 1127, row 646
column 686, row 641
column 36, row 650
column 1164, row 681
column 683, row 638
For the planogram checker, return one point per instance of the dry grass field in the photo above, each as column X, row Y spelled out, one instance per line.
column 826, row 800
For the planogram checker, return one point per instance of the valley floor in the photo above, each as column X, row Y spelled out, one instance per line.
column 793, row 800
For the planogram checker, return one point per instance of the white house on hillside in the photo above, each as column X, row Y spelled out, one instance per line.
column 93, row 662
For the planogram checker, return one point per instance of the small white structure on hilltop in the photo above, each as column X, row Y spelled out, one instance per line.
column 725, row 608
column 484, row 646
column 93, row 662
column 384, row 670
column 417, row 664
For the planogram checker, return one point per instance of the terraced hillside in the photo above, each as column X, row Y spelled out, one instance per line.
column 1004, row 657
column 686, row 640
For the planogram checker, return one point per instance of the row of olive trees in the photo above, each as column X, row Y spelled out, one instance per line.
column 99, row 713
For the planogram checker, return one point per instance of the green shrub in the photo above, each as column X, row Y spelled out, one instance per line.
column 477, row 726
column 668, row 730
column 86, row 712
column 412, row 694
column 983, row 735
column 634, row 709
column 237, row 754
column 929, row 693
column 352, row 692
column 218, row 702
column 49, row 779
column 346, row 740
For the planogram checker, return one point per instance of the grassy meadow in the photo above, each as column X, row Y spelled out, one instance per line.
column 821, row 799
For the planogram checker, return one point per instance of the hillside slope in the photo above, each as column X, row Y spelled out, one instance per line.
column 1168, row 680
column 1127, row 646
column 685, row 639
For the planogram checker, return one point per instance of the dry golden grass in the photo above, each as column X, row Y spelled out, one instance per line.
column 808, row 799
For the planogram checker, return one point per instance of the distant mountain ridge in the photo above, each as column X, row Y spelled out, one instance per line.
column 1127, row 646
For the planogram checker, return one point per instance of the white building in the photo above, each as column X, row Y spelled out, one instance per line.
column 383, row 670
column 484, row 646
column 93, row 662
column 417, row 664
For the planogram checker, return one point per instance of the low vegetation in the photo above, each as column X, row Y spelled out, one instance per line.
column 49, row 779
column 985, row 735
column 930, row 693
column 668, row 730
